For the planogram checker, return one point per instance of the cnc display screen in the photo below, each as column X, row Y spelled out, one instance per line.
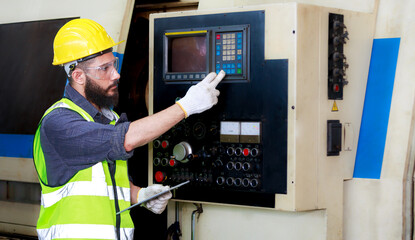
column 187, row 54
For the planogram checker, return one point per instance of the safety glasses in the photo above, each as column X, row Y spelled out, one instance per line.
column 104, row 71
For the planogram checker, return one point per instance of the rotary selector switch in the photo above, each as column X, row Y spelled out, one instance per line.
column 182, row 151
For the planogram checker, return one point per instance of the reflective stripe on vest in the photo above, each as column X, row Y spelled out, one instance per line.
column 83, row 231
column 84, row 207
column 93, row 188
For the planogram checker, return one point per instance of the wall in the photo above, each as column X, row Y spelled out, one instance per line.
column 115, row 16
column 374, row 206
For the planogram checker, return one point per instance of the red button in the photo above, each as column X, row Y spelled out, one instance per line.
column 218, row 36
column 336, row 87
column 172, row 162
column 164, row 144
column 246, row 152
column 160, row 176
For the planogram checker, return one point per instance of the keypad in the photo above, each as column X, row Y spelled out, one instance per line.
column 229, row 52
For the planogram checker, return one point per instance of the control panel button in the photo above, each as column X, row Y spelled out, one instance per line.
column 246, row 152
column 172, row 162
column 165, row 144
column 164, row 162
column 220, row 181
column 156, row 143
column 254, row 152
column 156, row 161
column 160, row 176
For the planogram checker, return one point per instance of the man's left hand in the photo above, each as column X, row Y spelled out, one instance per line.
column 158, row 204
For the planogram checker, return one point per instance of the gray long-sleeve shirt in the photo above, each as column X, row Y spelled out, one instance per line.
column 70, row 143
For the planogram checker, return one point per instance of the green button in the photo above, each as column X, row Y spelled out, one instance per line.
column 239, row 70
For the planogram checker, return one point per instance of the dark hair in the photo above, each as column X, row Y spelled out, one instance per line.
column 82, row 65
column 86, row 61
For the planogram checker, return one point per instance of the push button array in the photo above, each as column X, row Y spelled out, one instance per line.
column 229, row 52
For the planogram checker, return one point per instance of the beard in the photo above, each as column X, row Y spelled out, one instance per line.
column 98, row 95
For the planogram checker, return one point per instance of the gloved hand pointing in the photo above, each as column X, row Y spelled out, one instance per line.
column 201, row 96
column 158, row 204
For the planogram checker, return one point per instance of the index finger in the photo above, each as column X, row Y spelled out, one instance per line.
column 218, row 78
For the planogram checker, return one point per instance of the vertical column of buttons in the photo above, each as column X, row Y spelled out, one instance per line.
column 239, row 52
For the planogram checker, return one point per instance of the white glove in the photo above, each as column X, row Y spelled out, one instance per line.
column 156, row 205
column 201, row 96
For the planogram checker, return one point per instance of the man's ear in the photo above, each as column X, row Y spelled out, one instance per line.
column 78, row 76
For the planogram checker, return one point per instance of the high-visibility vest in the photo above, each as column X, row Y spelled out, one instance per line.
column 85, row 207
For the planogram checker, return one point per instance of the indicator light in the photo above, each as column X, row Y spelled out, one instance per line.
column 336, row 88
column 246, row 152
column 172, row 162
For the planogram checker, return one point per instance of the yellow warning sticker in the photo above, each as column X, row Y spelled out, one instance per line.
column 334, row 108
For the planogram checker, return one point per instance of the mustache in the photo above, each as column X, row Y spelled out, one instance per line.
column 113, row 85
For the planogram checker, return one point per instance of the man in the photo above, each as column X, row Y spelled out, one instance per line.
column 81, row 146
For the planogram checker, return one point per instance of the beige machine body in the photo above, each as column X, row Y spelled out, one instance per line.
column 313, row 202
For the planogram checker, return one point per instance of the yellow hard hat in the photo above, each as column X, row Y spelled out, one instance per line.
column 78, row 39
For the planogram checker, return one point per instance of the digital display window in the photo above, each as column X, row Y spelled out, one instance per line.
column 187, row 54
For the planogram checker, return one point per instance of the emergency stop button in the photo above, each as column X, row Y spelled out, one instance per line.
column 160, row 176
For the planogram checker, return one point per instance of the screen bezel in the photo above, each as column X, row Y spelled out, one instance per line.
column 211, row 57
column 168, row 37
column 235, row 78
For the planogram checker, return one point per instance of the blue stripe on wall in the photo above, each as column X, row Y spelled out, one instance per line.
column 373, row 129
column 16, row 145
column 121, row 58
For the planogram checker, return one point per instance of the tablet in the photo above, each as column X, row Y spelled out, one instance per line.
column 154, row 196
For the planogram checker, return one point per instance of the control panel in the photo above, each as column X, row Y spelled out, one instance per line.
column 224, row 163
column 191, row 53
column 231, row 52
column 337, row 64
column 236, row 152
